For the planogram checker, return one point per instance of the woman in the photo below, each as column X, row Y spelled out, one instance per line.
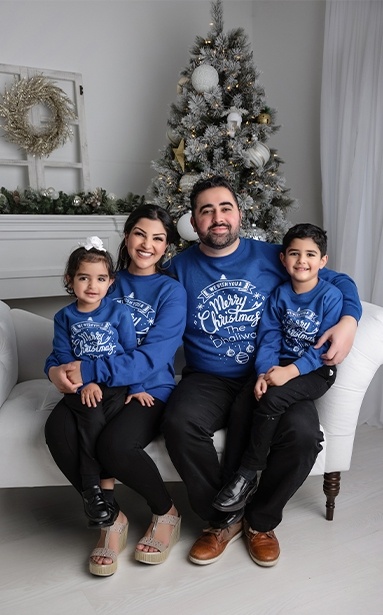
column 158, row 306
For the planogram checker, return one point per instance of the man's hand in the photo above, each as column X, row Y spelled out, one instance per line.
column 58, row 375
column 341, row 337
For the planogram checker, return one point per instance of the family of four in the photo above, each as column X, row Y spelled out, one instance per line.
column 258, row 377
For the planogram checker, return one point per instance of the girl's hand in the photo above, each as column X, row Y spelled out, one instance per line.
column 91, row 395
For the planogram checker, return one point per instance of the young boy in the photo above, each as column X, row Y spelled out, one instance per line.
column 288, row 366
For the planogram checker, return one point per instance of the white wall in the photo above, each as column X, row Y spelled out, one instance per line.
column 130, row 53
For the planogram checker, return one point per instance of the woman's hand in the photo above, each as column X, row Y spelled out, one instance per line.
column 73, row 372
column 341, row 337
column 58, row 376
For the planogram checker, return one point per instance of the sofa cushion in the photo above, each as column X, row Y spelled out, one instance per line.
column 34, row 335
column 8, row 353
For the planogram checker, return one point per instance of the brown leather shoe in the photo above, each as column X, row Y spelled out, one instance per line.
column 209, row 547
column 263, row 547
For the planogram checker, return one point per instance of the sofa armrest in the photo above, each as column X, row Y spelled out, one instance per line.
column 34, row 335
column 339, row 408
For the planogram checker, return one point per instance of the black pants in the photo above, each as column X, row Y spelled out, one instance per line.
column 200, row 405
column 274, row 403
column 119, row 450
column 91, row 421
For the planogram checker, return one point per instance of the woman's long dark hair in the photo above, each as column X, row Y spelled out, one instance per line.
column 151, row 212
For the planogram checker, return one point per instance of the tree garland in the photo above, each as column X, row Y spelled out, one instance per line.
column 19, row 100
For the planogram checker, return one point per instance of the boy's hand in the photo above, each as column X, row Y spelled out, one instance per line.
column 144, row 398
column 260, row 387
column 277, row 375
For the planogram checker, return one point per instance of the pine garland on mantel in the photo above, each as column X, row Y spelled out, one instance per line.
column 52, row 202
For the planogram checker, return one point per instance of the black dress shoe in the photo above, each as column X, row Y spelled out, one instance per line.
column 114, row 509
column 95, row 506
column 234, row 495
column 222, row 521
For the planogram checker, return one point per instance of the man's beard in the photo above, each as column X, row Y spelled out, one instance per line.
column 219, row 242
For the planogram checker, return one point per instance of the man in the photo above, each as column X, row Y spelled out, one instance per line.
column 227, row 279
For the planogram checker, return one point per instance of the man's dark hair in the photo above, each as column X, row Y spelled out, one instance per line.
column 217, row 181
column 303, row 231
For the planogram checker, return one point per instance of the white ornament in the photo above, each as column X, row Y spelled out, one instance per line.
column 257, row 156
column 52, row 193
column 185, row 229
column 187, row 182
column 234, row 121
column 204, row 78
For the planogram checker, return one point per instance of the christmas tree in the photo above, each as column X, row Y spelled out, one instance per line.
column 219, row 125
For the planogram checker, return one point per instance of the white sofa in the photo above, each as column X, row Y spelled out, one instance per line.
column 27, row 396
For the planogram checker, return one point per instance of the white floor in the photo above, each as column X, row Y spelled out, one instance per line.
column 325, row 567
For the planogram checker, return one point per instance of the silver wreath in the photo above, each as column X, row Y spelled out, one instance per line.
column 19, row 100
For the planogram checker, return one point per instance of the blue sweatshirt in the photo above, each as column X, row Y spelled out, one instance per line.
column 292, row 323
column 226, row 296
column 158, row 306
column 80, row 336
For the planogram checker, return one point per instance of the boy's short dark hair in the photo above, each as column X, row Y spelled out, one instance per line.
column 217, row 181
column 303, row 231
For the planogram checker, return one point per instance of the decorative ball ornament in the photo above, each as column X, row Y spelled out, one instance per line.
column 17, row 103
column 263, row 118
column 52, row 193
column 234, row 121
column 257, row 156
column 182, row 81
column 187, row 182
column 204, row 78
column 173, row 137
column 185, row 229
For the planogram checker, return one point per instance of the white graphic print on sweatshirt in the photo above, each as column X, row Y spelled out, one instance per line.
column 229, row 312
column 143, row 315
column 93, row 339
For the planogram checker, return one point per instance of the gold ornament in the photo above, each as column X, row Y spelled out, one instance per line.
column 179, row 154
column 263, row 118
column 19, row 100
column 182, row 81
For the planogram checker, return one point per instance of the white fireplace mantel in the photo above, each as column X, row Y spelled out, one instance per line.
column 34, row 250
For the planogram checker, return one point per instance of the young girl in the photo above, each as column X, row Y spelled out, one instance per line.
column 93, row 326
column 158, row 305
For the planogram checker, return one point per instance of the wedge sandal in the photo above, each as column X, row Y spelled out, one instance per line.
column 159, row 556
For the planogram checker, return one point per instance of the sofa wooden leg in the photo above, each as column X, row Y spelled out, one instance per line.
column 331, row 488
